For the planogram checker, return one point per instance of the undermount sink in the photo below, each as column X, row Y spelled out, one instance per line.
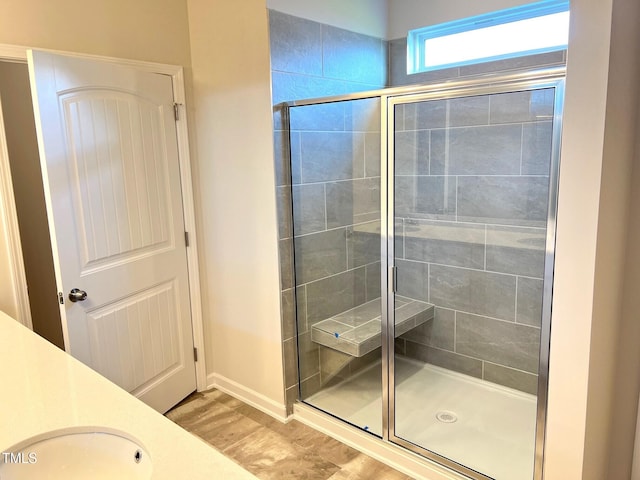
column 76, row 453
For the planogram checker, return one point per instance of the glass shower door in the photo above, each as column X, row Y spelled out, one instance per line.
column 335, row 193
column 472, row 177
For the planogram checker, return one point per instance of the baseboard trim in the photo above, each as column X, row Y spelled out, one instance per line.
column 389, row 454
column 248, row 396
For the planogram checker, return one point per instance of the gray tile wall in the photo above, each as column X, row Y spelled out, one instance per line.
column 471, row 210
column 334, row 178
column 310, row 60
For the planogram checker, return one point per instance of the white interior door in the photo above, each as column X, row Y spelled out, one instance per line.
column 109, row 156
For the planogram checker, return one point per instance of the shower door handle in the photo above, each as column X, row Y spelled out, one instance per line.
column 393, row 278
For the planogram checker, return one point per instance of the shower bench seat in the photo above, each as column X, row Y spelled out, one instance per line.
column 357, row 331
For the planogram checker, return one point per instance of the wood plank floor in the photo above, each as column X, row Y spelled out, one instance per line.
column 270, row 449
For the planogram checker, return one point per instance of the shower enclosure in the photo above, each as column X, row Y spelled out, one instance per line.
column 424, row 226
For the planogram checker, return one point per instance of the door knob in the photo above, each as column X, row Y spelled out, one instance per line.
column 77, row 295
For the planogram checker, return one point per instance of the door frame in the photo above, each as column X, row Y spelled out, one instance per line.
column 15, row 53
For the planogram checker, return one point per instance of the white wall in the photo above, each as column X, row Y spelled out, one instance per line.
column 363, row 16
column 405, row 15
column 236, row 183
column 596, row 163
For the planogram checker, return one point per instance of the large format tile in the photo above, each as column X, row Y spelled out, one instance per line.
column 503, row 200
column 352, row 201
column 285, row 249
column 302, row 325
column 499, row 342
column 524, row 106
column 363, row 244
column 334, row 366
column 283, row 199
column 332, row 295
column 446, row 243
column 296, row 44
column 529, row 309
column 474, row 291
column 372, row 156
column 413, row 279
column 444, row 359
column 287, row 302
column 439, row 332
column 398, row 240
column 310, row 386
column 293, row 86
column 290, row 354
column 328, row 117
column 320, row 255
column 309, row 214
column 424, row 115
column 519, row 251
column 329, row 156
column 308, row 356
column 281, row 147
column 467, row 111
column 397, row 61
column 373, row 281
column 523, row 381
column 482, row 150
column 536, row 148
column 425, row 197
column 353, row 56
column 363, row 115
column 295, row 160
column 411, row 152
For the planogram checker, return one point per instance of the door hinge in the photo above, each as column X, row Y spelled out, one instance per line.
column 176, row 111
column 186, row 239
column 61, row 298
column 195, row 354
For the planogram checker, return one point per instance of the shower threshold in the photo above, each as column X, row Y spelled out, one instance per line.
column 357, row 331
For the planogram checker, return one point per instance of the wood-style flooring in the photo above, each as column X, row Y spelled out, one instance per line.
column 270, row 449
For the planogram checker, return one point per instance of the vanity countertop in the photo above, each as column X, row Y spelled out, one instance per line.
column 44, row 389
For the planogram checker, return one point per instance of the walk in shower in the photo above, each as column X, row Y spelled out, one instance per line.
column 423, row 239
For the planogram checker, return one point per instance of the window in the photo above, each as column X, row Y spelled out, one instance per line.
column 534, row 28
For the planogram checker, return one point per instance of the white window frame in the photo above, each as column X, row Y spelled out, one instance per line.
column 417, row 39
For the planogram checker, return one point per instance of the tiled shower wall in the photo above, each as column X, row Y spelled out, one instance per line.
column 471, row 212
column 335, row 162
column 310, row 60
column 336, row 158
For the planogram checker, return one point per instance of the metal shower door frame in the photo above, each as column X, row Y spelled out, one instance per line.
column 537, row 79
column 527, row 81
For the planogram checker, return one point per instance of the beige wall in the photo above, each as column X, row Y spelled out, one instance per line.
column 233, row 173
column 151, row 30
column 236, row 183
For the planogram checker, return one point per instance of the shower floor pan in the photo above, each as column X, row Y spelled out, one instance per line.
column 357, row 331
column 484, row 426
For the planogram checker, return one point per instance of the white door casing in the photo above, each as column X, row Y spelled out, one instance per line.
column 111, row 174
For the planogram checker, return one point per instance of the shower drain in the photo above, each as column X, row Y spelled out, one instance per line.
column 446, row 417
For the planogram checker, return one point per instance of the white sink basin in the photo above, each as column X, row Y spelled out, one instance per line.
column 76, row 453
